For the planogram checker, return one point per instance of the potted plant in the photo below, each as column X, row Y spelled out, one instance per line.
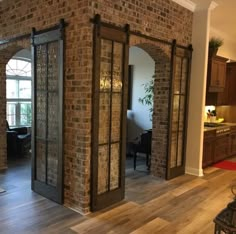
column 148, row 98
column 214, row 45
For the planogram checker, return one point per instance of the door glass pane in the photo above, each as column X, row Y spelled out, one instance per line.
column 41, row 113
column 175, row 113
column 53, row 68
column 180, row 149
column 173, row 153
column 178, row 113
column 103, row 162
column 41, row 67
column 115, row 165
column 184, row 75
column 105, row 89
column 53, row 110
column 52, row 161
column 177, row 77
column 105, row 65
column 104, row 118
column 117, row 67
column 40, row 160
column 181, row 113
column 181, row 131
column 116, row 117
column 41, row 104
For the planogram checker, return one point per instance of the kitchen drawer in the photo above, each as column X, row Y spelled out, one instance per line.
column 209, row 134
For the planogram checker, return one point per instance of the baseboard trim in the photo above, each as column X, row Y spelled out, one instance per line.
column 194, row 171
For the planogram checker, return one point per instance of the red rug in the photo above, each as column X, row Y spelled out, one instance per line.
column 227, row 165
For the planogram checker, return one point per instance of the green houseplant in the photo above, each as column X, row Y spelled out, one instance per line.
column 214, row 45
column 148, row 97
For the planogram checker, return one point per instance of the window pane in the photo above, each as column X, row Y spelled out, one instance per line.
column 12, row 88
column 11, row 113
column 25, row 113
column 18, row 67
column 25, row 88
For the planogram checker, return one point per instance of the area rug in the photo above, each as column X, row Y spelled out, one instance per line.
column 226, row 165
column 2, row 190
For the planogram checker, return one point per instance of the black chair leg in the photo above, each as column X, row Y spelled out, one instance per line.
column 135, row 158
column 148, row 161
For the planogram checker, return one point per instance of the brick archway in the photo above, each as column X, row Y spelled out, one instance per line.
column 161, row 54
column 7, row 51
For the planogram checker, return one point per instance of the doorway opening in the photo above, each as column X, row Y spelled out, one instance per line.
column 139, row 112
column 18, row 105
column 18, row 121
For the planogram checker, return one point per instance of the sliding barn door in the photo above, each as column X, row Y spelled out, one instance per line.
column 47, row 127
column 109, row 115
column 181, row 62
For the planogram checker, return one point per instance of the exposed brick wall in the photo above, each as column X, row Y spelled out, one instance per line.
column 160, row 18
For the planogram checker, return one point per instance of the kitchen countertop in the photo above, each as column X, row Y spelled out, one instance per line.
column 224, row 124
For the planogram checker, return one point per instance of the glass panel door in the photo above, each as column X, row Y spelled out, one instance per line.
column 109, row 117
column 178, row 115
column 47, row 144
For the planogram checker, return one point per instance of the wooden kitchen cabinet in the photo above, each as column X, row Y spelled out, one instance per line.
column 208, row 148
column 216, row 74
column 228, row 96
column 216, row 78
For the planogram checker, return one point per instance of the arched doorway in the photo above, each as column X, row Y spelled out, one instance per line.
column 6, row 54
column 18, row 104
column 139, row 111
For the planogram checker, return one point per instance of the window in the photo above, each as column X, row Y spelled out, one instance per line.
column 18, row 91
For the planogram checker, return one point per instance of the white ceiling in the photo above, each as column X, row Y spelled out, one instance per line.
column 223, row 18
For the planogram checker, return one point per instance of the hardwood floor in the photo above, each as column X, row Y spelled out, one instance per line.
column 184, row 205
column 23, row 211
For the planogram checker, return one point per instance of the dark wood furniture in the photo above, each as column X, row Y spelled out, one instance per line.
column 217, row 145
column 225, row 221
column 143, row 145
column 18, row 141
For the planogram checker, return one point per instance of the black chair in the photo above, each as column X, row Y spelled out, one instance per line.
column 18, row 141
column 143, row 146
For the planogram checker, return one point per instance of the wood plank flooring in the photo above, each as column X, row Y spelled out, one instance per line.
column 185, row 205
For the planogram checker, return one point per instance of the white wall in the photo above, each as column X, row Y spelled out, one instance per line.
column 25, row 53
column 143, row 70
column 228, row 49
